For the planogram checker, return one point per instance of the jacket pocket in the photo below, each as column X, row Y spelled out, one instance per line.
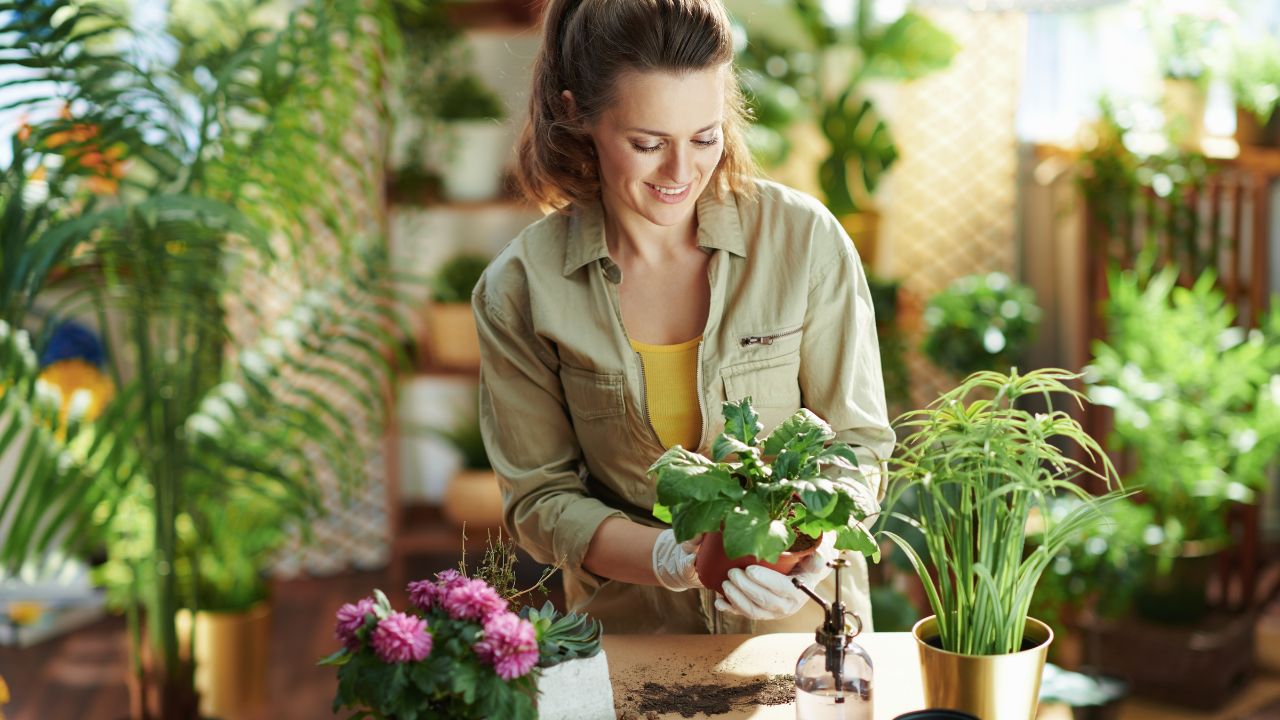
column 771, row 382
column 592, row 395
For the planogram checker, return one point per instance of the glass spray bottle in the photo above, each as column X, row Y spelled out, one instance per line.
column 833, row 676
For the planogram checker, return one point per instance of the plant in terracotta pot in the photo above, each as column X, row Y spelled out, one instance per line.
column 472, row 497
column 451, row 327
column 772, row 504
column 979, row 467
column 1195, row 403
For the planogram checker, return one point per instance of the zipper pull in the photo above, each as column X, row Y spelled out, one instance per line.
column 757, row 340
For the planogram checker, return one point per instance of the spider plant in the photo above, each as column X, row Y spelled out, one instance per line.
column 172, row 192
column 981, row 466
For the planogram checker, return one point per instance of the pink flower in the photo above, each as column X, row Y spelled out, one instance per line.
column 401, row 638
column 449, row 578
column 423, row 594
column 472, row 600
column 350, row 619
column 510, row 645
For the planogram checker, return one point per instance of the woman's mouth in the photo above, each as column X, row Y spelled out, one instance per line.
column 670, row 194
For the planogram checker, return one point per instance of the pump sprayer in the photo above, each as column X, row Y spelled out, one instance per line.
column 833, row 676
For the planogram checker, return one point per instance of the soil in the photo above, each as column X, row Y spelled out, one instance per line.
column 803, row 542
column 647, row 700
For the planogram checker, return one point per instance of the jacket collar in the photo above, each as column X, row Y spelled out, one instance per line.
column 718, row 229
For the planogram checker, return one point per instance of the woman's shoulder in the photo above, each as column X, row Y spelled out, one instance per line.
column 802, row 219
column 535, row 252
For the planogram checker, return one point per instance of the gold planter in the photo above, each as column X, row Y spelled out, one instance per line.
column 451, row 335
column 991, row 687
column 231, row 658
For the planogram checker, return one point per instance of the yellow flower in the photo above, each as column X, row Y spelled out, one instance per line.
column 25, row 613
column 75, row 374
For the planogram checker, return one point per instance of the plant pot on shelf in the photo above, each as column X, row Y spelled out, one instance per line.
column 1252, row 133
column 451, row 335
column 473, row 497
column 576, row 690
column 1184, row 106
column 475, row 159
column 232, row 658
column 1179, row 596
column 991, row 687
column 713, row 565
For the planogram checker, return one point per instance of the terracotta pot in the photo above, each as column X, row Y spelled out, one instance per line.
column 451, row 335
column 473, row 497
column 713, row 565
column 1251, row 133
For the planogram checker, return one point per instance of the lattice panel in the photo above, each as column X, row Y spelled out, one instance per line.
column 951, row 207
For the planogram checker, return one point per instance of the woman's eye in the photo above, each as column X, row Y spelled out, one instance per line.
column 646, row 148
column 708, row 143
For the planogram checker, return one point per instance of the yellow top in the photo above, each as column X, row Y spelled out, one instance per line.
column 671, row 391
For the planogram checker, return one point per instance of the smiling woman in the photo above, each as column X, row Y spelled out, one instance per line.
column 668, row 281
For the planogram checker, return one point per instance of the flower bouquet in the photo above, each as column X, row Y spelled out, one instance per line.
column 458, row 652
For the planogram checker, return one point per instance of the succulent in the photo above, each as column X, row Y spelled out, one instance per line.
column 563, row 637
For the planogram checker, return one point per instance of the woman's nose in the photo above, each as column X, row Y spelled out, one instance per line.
column 679, row 165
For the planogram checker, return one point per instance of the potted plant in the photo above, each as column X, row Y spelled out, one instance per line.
column 980, row 322
column 773, row 503
column 1183, row 35
column 1195, row 403
column 978, row 468
column 451, row 327
column 472, row 497
column 823, row 79
column 477, row 143
column 1254, row 75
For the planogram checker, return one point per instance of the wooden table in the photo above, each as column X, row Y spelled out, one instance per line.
column 675, row 660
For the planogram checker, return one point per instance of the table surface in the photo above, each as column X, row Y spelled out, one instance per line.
column 675, row 660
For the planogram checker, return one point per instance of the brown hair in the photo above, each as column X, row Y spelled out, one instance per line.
column 586, row 45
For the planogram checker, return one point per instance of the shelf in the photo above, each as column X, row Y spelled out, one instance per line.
column 424, row 529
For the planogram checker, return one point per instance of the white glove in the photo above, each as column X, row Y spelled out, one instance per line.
column 673, row 561
column 763, row 594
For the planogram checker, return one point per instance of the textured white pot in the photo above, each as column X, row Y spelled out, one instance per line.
column 576, row 690
column 475, row 159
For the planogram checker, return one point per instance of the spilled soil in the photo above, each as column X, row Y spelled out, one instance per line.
column 689, row 697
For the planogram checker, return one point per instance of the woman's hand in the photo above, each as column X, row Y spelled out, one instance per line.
column 760, row 593
column 673, row 561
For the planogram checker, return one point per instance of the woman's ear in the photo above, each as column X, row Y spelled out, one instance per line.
column 570, row 106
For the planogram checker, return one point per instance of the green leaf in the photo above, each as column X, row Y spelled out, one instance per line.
column 909, row 48
column 662, row 512
column 798, row 433
column 725, row 445
column 337, row 659
column 677, row 485
column 856, row 538
column 741, row 421
column 749, row 530
column 700, row 517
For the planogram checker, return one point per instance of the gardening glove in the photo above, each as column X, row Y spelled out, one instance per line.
column 760, row 593
column 673, row 561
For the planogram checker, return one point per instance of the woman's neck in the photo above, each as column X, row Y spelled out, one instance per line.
column 631, row 237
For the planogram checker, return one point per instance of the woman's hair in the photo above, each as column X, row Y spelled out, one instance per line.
column 586, row 46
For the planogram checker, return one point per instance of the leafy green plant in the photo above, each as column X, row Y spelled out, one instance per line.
column 467, row 439
column 793, row 483
column 465, row 97
column 457, row 278
column 980, row 322
column 861, row 146
column 1196, row 400
column 563, row 637
column 1254, row 75
column 893, row 363
column 979, row 465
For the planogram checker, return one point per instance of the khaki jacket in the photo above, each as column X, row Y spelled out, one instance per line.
column 562, row 398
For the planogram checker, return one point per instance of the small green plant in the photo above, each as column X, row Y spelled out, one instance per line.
column 562, row 638
column 980, row 322
column 979, row 465
column 1254, row 75
column 1195, row 400
column 466, row 437
column 457, row 278
column 791, row 484
column 464, row 97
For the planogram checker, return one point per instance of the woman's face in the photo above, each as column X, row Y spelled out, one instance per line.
column 660, row 142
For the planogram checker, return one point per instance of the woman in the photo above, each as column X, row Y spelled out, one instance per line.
column 669, row 280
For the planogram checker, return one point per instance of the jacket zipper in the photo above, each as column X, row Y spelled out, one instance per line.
column 644, row 400
column 766, row 339
column 702, row 415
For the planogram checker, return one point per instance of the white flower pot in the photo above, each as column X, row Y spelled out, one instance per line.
column 576, row 690
column 474, row 159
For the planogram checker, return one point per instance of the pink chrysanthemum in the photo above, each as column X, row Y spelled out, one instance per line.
column 401, row 638
column 350, row 619
column 510, row 645
column 447, row 579
column 423, row 593
column 472, row 600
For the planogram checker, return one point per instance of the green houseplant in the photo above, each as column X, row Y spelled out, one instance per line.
column 782, row 492
column 478, row 143
column 1195, row 402
column 175, row 183
column 451, row 328
column 1254, row 75
column 472, row 497
column 980, row 322
column 978, row 465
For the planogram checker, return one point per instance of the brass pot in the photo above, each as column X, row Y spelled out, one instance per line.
column 231, row 658
column 991, row 687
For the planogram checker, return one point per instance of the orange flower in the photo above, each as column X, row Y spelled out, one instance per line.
column 74, row 374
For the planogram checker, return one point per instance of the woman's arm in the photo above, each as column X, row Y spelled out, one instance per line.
column 623, row 550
